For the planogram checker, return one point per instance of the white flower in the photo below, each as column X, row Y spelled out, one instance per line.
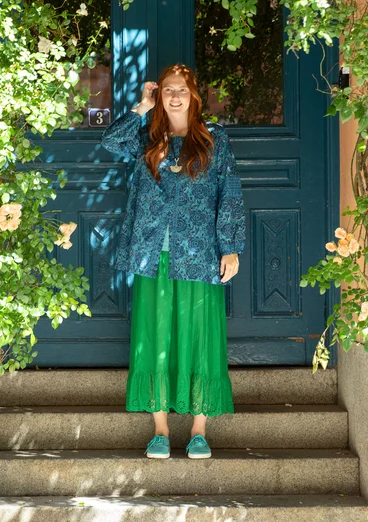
column 44, row 45
column 322, row 4
column 103, row 24
column 83, row 10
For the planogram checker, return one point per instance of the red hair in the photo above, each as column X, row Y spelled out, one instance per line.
column 197, row 142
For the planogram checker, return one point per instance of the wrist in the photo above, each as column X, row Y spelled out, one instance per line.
column 141, row 109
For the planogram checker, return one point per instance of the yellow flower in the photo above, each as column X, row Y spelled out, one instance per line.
column 64, row 240
column 340, row 233
column 66, row 245
column 331, row 247
column 10, row 208
column 353, row 246
column 343, row 250
column 13, row 224
column 337, row 259
column 362, row 317
column 364, row 307
column 67, row 229
column 350, row 236
column 10, row 214
column 343, row 242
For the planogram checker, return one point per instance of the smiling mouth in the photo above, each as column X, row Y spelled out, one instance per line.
column 179, row 105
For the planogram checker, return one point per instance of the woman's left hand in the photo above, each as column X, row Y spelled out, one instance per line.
column 229, row 265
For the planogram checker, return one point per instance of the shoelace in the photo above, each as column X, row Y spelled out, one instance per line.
column 156, row 438
column 197, row 440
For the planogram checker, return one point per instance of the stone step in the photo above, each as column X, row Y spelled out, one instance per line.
column 207, row 508
column 130, row 472
column 110, row 427
column 270, row 385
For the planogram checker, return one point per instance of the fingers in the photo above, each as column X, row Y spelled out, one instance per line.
column 149, row 87
column 222, row 266
column 148, row 98
column 230, row 269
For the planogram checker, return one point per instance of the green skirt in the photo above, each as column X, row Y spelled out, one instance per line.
column 178, row 346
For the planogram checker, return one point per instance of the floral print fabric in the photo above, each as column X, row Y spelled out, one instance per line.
column 206, row 217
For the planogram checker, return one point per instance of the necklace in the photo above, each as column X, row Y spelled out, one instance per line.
column 176, row 167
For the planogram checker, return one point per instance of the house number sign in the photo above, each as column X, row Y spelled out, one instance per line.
column 98, row 117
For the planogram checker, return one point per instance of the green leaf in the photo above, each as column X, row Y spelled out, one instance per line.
column 331, row 111
column 5, row 197
column 346, row 114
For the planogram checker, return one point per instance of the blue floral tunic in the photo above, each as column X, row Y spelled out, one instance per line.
column 206, row 217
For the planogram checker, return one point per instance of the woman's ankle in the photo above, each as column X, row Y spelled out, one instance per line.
column 198, row 432
column 162, row 432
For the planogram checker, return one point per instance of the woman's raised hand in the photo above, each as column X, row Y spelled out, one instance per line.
column 148, row 100
column 147, row 97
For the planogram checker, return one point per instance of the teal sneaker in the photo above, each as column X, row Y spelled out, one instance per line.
column 159, row 447
column 198, row 448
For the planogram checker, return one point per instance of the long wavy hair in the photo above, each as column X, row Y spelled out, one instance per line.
column 198, row 145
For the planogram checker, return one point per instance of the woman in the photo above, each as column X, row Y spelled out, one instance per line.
column 181, row 235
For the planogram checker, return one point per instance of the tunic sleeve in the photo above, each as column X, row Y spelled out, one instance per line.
column 125, row 135
column 230, row 222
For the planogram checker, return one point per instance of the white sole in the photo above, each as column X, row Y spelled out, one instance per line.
column 157, row 456
column 207, row 456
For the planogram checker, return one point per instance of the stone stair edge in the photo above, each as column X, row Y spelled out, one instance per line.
column 232, row 368
column 200, row 508
column 209, row 500
column 179, row 454
column 239, row 409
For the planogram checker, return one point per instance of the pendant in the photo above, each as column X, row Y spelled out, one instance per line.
column 176, row 168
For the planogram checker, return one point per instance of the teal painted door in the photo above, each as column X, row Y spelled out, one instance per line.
column 289, row 172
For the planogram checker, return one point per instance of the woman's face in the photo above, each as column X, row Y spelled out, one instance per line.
column 175, row 94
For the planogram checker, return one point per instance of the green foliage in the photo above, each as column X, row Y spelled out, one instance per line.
column 309, row 22
column 247, row 93
column 242, row 13
column 346, row 266
column 125, row 4
column 40, row 62
column 320, row 21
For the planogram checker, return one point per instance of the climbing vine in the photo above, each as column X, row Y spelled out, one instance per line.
column 40, row 62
